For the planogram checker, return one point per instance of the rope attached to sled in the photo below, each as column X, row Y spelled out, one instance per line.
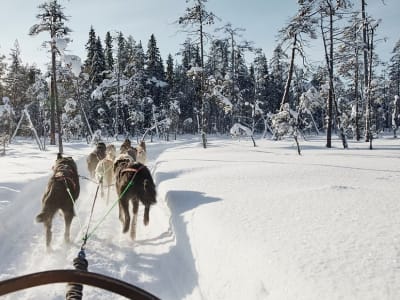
column 74, row 291
column 130, row 183
column 73, row 202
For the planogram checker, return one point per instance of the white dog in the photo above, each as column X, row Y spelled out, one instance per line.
column 141, row 155
column 105, row 173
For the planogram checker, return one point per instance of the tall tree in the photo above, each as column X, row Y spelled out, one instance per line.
column 98, row 65
column 51, row 19
column 3, row 67
column 169, row 74
column 197, row 17
column 329, row 9
column 302, row 23
column 15, row 79
column 155, row 71
column 278, row 69
column 91, row 49
column 108, row 52
column 394, row 70
column 349, row 60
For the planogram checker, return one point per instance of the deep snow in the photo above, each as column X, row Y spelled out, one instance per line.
column 232, row 221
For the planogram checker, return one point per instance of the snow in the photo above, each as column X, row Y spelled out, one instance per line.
column 238, row 129
column 232, row 221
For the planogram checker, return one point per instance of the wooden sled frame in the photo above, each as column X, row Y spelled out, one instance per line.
column 74, row 276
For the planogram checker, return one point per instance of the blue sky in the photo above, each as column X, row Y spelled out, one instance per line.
column 261, row 18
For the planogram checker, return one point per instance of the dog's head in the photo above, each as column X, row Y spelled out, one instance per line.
column 111, row 152
column 66, row 161
column 121, row 161
column 101, row 147
column 125, row 145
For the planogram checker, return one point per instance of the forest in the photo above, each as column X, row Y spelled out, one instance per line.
column 125, row 88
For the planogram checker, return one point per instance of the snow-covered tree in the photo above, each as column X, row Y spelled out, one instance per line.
column 396, row 115
column 108, row 52
column 72, row 120
column 51, row 19
column 197, row 17
column 285, row 123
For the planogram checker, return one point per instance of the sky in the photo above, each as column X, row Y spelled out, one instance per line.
column 231, row 221
column 260, row 18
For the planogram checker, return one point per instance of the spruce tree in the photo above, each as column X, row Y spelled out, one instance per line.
column 98, row 65
column 3, row 67
column 108, row 52
column 169, row 76
column 91, row 49
column 155, row 71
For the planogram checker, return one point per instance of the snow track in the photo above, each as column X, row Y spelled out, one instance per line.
column 231, row 222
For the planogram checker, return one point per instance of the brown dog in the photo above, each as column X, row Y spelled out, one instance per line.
column 133, row 183
column 61, row 193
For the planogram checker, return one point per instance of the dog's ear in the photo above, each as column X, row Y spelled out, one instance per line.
column 59, row 155
column 143, row 145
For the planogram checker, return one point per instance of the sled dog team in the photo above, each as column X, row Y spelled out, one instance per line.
column 127, row 172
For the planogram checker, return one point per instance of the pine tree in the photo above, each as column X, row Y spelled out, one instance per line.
column 169, row 75
column 279, row 68
column 98, row 65
column 394, row 70
column 108, row 52
column 262, row 86
column 332, row 11
column 293, row 33
column 198, row 17
column 14, row 79
column 153, row 60
column 91, row 49
column 3, row 67
column 155, row 71
column 52, row 20
column 349, row 61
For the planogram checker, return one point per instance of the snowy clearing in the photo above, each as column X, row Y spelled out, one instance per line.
column 232, row 222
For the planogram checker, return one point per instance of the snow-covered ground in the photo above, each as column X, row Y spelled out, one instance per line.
column 232, row 222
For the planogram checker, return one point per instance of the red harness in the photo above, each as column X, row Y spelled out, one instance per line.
column 132, row 170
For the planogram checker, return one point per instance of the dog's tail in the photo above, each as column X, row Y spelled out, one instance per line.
column 150, row 192
column 40, row 217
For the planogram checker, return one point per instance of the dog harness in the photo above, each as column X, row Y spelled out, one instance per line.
column 65, row 173
column 132, row 170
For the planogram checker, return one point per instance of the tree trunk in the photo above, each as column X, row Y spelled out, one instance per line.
column 52, row 101
column 369, row 96
column 285, row 97
column 55, row 94
column 356, row 96
column 203, row 119
column 365, row 53
column 330, row 94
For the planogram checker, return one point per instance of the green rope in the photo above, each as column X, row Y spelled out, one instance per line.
column 90, row 218
column 87, row 236
column 73, row 203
